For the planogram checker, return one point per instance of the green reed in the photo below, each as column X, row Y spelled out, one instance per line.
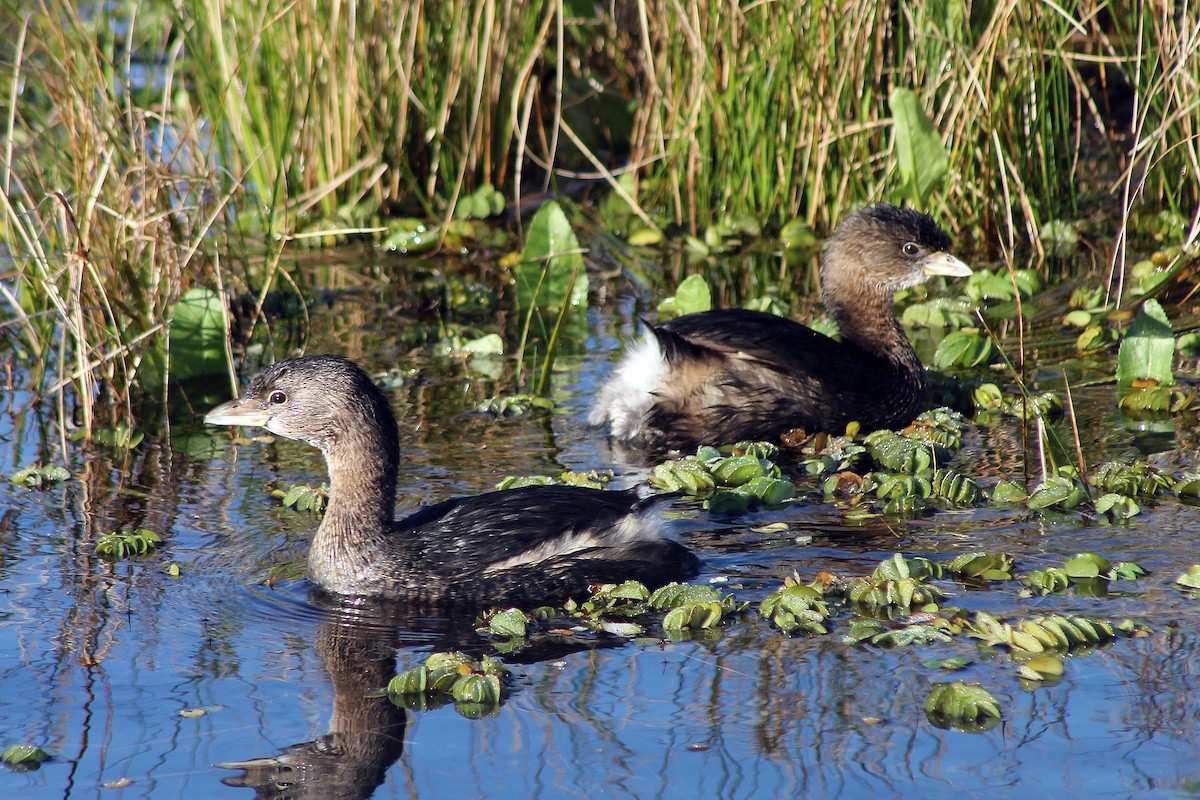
column 396, row 105
column 105, row 207
column 271, row 116
column 779, row 109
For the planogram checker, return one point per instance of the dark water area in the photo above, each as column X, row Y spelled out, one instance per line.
column 139, row 684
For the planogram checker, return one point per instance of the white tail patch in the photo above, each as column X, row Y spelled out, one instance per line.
column 645, row 526
column 625, row 400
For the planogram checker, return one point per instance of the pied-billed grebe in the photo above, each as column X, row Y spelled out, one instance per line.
column 718, row 377
column 535, row 545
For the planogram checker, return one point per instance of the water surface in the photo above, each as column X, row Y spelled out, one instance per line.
column 127, row 674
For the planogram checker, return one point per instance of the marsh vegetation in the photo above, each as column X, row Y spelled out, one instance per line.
column 479, row 200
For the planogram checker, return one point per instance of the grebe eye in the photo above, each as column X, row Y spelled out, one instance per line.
column 277, row 397
column 910, row 249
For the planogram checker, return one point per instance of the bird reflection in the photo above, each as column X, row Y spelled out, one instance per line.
column 366, row 731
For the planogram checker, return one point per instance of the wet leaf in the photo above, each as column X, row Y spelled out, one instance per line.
column 1009, row 492
column 692, row 295
column 1086, row 565
column 37, row 477
column 1148, row 349
column 1127, row 571
column 955, row 487
column 796, row 234
column 1191, row 578
column 645, row 237
column 953, row 664
column 511, row 623
column 627, row 630
column 677, row 594
column 1056, row 492
column 794, row 608
column 24, row 757
column 1047, row 581
column 1117, row 506
column 1042, row 668
column 963, row 349
column 988, row 566
column 728, row 502
column 962, row 706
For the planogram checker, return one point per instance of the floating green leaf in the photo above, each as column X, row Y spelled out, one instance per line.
column 511, row 623
column 24, row 757
column 963, row 349
column 796, row 608
column 1086, row 565
column 1191, row 578
column 123, row 544
column 987, row 566
column 38, row 477
column 962, row 706
column 1040, row 668
column 1117, row 506
column 1056, row 492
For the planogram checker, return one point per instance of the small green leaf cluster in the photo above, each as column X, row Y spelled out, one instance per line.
column 1058, row 492
column 476, row 687
column 303, row 497
column 119, row 437
column 989, row 398
column 1005, row 286
column 482, row 203
column 1132, row 478
column 1142, row 402
column 514, row 405
column 796, row 607
column 961, row 706
column 1082, row 569
column 126, row 544
column 613, row 607
column 732, row 478
column 458, row 346
column 24, row 757
column 873, row 631
column 895, row 586
column 38, row 477
column 824, row 454
column 724, row 236
column 939, row 312
column 965, row 348
column 1041, row 634
column 692, row 607
column 590, row 479
column 910, row 476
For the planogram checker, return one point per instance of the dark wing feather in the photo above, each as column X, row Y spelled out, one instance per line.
column 740, row 374
column 465, row 535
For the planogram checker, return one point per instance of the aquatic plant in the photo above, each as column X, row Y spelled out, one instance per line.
column 107, row 205
column 40, row 476
column 475, row 686
column 127, row 544
column 23, row 757
column 303, row 497
column 962, row 706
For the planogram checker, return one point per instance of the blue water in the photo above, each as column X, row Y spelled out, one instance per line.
column 125, row 673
